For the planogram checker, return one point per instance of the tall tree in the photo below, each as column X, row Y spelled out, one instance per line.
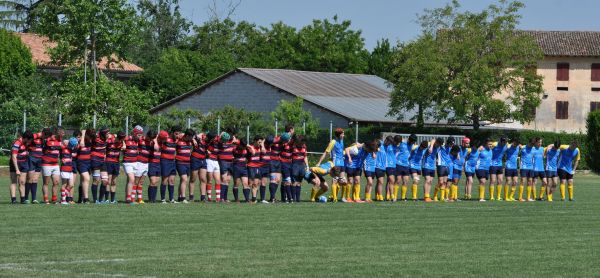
column 380, row 59
column 160, row 26
column 107, row 26
column 490, row 66
column 418, row 76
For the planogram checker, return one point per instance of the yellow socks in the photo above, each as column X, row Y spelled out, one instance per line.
column 533, row 191
column 435, row 192
column 313, row 194
column 570, row 188
column 528, row 192
column 447, row 191
column 442, row 194
column 562, row 191
column 344, row 191
column 356, row 195
column 368, row 196
column 492, row 188
column 348, row 191
column 512, row 192
column 506, row 192
column 550, row 197
column 334, row 190
column 542, row 192
column 403, row 191
column 395, row 194
column 454, row 190
column 499, row 191
column 481, row 192
column 521, row 189
column 414, row 191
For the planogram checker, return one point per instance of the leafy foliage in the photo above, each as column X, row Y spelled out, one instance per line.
column 592, row 155
column 15, row 60
column 292, row 112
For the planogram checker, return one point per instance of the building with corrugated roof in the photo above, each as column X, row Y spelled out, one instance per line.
column 39, row 46
column 337, row 97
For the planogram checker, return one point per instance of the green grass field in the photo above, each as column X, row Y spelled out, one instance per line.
column 307, row 239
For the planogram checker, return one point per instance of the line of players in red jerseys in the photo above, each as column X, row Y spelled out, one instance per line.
column 98, row 156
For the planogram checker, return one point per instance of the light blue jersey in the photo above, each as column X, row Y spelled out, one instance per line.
column 444, row 158
column 497, row 155
column 357, row 160
column 527, row 158
column 337, row 153
column 538, row 159
column 459, row 161
column 403, row 153
column 485, row 159
column 512, row 155
column 430, row 158
column 381, row 161
column 552, row 159
column 567, row 156
column 390, row 154
column 369, row 162
column 416, row 158
column 472, row 158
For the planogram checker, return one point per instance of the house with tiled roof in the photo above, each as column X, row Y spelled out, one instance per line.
column 39, row 46
column 571, row 72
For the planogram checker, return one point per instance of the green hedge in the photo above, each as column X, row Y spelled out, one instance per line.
column 366, row 133
column 592, row 156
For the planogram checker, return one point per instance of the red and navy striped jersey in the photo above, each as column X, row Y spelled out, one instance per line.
column 199, row 150
column 130, row 153
column 35, row 148
column 254, row 159
column 99, row 149
column 184, row 151
column 240, row 156
column 226, row 151
column 51, row 153
column 299, row 154
column 113, row 151
column 265, row 156
column 285, row 153
column 84, row 153
column 274, row 150
column 213, row 150
column 66, row 159
column 154, row 153
column 20, row 150
column 144, row 150
column 168, row 148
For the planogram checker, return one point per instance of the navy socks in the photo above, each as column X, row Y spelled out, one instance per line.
column 263, row 192
column 163, row 191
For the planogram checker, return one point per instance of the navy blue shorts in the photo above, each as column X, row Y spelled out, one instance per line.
column 526, row 173
column 482, row 174
column 496, row 170
column 469, row 174
column 379, row 173
column 402, row 171
column 286, row 170
column 298, row 171
column 456, row 174
column 443, row 171
column 390, row 171
column 74, row 163
column 98, row 165
column 564, row 175
column 153, row 170
column 551, row 174
column 539, row 174
column 183, row 168
column 23, row 166
column 167, row 167
column 511, row 172
column 265, row 171
column 112, row 168
column 226, row 167
column 197, row 164
column 369, row 174
column 240, row 170
column 84, row 166
column 254, row 173
column 415, row 171
column 312, row 176
column 35, row 164
column 275, row 166
column 353, row 172
column 428, row 173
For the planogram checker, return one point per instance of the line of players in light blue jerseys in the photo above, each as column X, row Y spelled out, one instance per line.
column 392, row 164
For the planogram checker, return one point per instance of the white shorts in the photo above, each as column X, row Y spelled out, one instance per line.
column 66, row 175
column 141, row 169
column 50, row 171
column 212, row 166
column 130, row 167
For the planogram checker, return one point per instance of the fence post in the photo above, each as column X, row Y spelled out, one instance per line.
column 189, row 122
column 219, row 125
column 127, row 125
column 95, row 118
column 330, row 130
column 24, row 120
column 304, row 128
column 356, row 134
column 158, row 126
column 59, row 119
column 247, row 134
column 276, row 126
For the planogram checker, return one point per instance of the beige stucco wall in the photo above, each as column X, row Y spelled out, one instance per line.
column 579, row 95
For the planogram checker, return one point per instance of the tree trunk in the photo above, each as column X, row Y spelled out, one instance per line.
column 420, row 117
column 475, row 118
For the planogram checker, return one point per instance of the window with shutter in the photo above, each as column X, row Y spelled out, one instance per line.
column 596, row 72
column 562, row 110
column 562, row 72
